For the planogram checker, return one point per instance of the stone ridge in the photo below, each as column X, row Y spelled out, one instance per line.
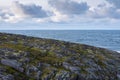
column 29, row 58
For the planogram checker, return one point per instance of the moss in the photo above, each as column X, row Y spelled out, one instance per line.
column 45, row 73
column 21, row 47
column 50, row 53
column 31, row 79
column 18, row 75
column 73, row 76
column 51, row 60
column 14, row 46
column 102, row 64
column 83, row 71
column 90, row 51
column 100, row 57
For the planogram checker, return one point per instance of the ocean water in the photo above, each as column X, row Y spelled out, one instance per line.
column 109, row 39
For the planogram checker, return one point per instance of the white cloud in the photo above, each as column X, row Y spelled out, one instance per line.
column 58, row 17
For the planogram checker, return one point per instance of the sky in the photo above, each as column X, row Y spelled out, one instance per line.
column 60, row 14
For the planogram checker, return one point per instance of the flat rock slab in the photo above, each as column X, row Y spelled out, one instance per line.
column 12, row 63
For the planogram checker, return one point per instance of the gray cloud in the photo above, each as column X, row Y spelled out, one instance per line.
column 61, row 11
column 116, row 3
column 1, row 14
column 69, row 7
column 102, row 11
column 5, row 15
column 19, row 12
column 33, row 10
column 113, row 13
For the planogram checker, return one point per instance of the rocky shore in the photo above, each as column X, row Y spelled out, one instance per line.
column 30, row 58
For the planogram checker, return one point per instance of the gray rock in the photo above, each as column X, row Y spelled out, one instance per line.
column 118, row 74
column 43, row 65
column 30, row 70
column 12, row 63
column 8, row 77
column 1, row 75
column 65, row 75
column 71, row 68
column 66, row 65
column 38, row 75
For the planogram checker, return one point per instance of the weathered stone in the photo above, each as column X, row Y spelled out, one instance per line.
column 71, row 68
column 12, row 63
column 8, row 77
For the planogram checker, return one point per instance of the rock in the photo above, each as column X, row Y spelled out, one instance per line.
column 38, row 75
column 12, row 63
column 30, row 58
column 8, row 77
column 63, row 75
column 71, row 68
column 32, row 70
column 66, row 65
column 1, row 75
column 43, row 65
column 118, row 73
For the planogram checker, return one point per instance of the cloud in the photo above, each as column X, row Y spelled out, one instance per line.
column 20, row 12
column 114, row 13
column 75, row 11
column 32, row 10
column 65, row 11
column 103, row 11
column 69, row 7
column 6, row 15
column 3, row 15
column 116, row 3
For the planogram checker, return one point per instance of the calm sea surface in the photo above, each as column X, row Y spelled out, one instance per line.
column 109, row 39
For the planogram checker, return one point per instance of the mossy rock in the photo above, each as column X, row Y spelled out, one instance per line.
column 47, row 58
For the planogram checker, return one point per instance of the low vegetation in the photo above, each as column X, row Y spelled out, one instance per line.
column 30, row 58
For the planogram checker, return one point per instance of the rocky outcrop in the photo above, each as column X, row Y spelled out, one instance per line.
column 30, row 58
column 12, row 63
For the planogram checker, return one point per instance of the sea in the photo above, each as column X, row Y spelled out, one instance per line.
column 109, row 39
